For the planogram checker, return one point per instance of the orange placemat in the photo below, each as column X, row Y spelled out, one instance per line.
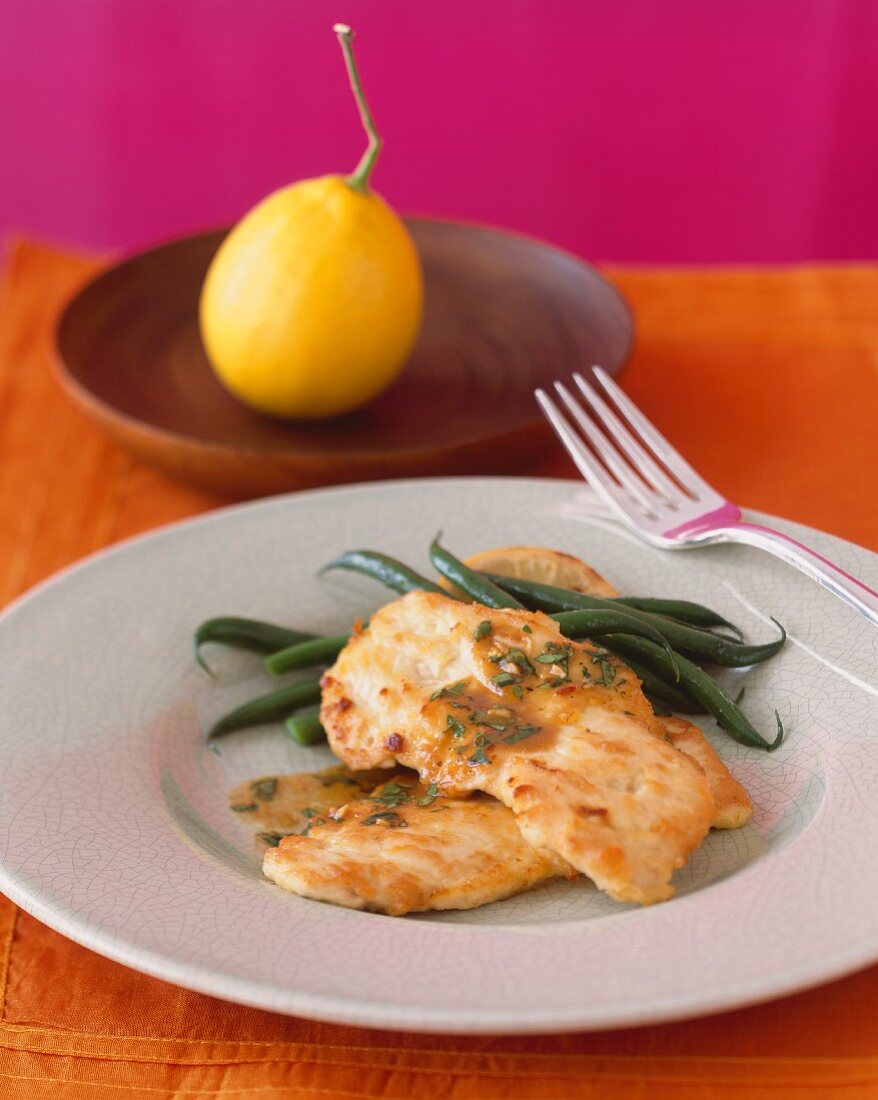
column 789, row 361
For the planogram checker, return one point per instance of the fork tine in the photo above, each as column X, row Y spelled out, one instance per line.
column 627, row 442
column 670, row 456
column 587, row 465
column 607, row 451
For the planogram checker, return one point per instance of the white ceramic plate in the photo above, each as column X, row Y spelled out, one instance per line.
column 113, row 821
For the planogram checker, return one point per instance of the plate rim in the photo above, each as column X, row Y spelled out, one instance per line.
column 361, row 1012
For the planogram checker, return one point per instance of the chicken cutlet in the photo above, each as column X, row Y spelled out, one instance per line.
column 406, row 848
column 732, row 805
column 479, row 699
column 459, row 853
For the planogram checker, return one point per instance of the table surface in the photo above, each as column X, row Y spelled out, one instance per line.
column 790, row 359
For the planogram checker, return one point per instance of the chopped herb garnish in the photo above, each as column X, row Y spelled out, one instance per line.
column 608, row 673
column 393, row 794
column 393, row 819
column 437, row 809
column 331, row 780
column 479, row 757
column 264, row 788
column 520, row 659
column 559, row 655
column 516, row 691
column 449, row 692
column 488, row 718
column 457, row 728
column 503, row 678
column 244, row 808
column 520, row 733
column 526, row 629
column 482, row 630
column 271, row 839
column 313, row 819
column 429, row 796
column 309, row 811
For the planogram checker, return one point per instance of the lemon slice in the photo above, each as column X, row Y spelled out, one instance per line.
column 542, row 565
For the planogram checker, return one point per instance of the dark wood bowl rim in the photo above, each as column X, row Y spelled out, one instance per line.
column 109, row 413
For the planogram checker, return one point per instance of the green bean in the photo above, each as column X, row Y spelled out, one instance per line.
column 265, row 708
column 305, row 727
column 657, row 689
column 380, row 567
column 700, row 687
column 316, row 651
column 595, row 624
column 244, row 634
column 709, row 648
column 695, row 614
column 476, row 585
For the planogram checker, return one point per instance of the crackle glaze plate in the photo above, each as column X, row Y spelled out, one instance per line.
column 114, row 827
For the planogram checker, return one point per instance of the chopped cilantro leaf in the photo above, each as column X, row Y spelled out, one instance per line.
column 479, row 757
column 393, row 794
column 429, row 796
column 457, row 728
column 271, row 839
column 391, row 817
column 264, row 789
column 483, row 629
column 520, row 733
column 608, row 673
column 487, row 718
column 519, row 658
column 503, row 678
column 449, row 692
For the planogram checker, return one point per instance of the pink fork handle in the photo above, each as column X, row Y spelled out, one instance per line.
column 826, row 573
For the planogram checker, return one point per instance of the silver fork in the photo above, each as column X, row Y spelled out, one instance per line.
column 650, row 486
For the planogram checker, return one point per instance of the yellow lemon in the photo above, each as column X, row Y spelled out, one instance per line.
column 543, row 566
column 313, row 303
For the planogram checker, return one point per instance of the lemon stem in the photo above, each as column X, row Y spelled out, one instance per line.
column 359, row 178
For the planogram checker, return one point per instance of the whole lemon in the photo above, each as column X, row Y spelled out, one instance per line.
column 313, row 302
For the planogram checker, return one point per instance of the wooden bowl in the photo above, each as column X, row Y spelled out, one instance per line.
column 503, row 314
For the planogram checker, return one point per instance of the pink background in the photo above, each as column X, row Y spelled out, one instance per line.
column 655, row 130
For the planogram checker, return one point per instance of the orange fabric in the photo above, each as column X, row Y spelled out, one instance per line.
column 768, row 380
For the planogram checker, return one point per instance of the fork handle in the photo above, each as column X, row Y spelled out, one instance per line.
column 826, row 573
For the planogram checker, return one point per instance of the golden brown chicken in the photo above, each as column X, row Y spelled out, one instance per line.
column 453, row 853
column 732, row 805
column 560, row 732
column 405, row 848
